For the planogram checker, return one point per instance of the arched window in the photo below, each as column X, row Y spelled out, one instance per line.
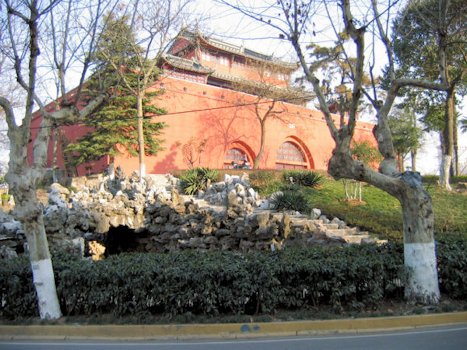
column 290, row 156
column 234, row 156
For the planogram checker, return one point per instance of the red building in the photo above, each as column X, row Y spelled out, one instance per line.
column 215, row 93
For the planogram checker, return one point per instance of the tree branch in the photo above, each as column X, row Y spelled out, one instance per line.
column 67, row 114
column 357, row 36
column 384, row 38
column 92, row 47
column 399, row 83
column 256, row 17
column 9, row 113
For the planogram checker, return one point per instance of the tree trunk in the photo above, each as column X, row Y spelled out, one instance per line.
column 142, row 165
column 444, row 171
column 346, row 189
column 413, row 157
column 418, row 222
column 259, row 156
column 419, row 246
column 455, row 163
column 55, row 168
column 29, row 212
column 400, row 162
column 42, row 269
column 414, row 150
column 448, row 138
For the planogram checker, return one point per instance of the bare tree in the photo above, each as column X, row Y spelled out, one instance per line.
column 192, row 151
column 30, row 27
column 154, row 24
column 10, row 90
column 265, row 99
column 294, row 21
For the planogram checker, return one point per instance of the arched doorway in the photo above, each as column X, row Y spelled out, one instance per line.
column 290, row 155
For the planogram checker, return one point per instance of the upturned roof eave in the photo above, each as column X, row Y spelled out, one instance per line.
column 186, row 64
column 234, row 79
column 240, row 51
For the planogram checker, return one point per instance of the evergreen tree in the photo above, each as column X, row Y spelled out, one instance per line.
column 405, row 135
column 115, row 124
column 436, row 31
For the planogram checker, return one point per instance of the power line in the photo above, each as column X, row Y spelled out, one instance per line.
column 236, row 105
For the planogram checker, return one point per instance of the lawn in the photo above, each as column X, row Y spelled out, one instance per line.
column 379, row 213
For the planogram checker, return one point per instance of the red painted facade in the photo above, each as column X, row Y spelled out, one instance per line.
column 210, row 123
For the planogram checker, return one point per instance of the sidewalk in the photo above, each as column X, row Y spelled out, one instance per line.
column 228, row 330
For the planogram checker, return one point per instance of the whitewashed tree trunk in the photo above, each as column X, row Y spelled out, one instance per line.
column 419, row 245
column 42, row 269
column 29, row 211
column 444, row 171
column 418, row 223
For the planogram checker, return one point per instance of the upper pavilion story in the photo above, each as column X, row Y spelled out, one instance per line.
column 195, row 57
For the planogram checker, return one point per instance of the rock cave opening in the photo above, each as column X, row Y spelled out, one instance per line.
column 120, row 239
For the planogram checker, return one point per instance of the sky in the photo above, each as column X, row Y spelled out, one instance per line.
column 227, row 25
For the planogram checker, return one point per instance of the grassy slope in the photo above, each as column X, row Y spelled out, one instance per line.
column 380, row 213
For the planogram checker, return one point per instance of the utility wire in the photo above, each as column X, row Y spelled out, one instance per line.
column 96, row 121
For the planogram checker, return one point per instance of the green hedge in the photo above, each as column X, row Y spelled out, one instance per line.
column 213, row 283
column 452, row 265
column 433, row 179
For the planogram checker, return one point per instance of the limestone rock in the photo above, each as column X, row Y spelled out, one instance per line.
column 229, row 215
column 315, row 213
column 55, row 218
column 58, row 195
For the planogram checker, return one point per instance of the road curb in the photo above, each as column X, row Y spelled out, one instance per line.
column 228, row 330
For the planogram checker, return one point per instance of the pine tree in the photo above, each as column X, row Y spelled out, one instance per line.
column 115, row 124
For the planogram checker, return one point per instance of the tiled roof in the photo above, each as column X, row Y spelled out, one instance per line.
column 279, row 92
column 239, row 50
column 183, row 63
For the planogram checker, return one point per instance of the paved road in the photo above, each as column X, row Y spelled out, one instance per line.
column 445, row 338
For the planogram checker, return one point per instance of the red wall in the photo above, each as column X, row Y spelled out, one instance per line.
column 59, row 138
column 196, row 113
column 224, row 119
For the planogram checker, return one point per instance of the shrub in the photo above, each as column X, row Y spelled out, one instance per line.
column 303, row 177
column 197, row 179
column 217, row 282
column 265, row 182
column 452, row 265
column 17, row 295
column 434, row 179
column 291, row 199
